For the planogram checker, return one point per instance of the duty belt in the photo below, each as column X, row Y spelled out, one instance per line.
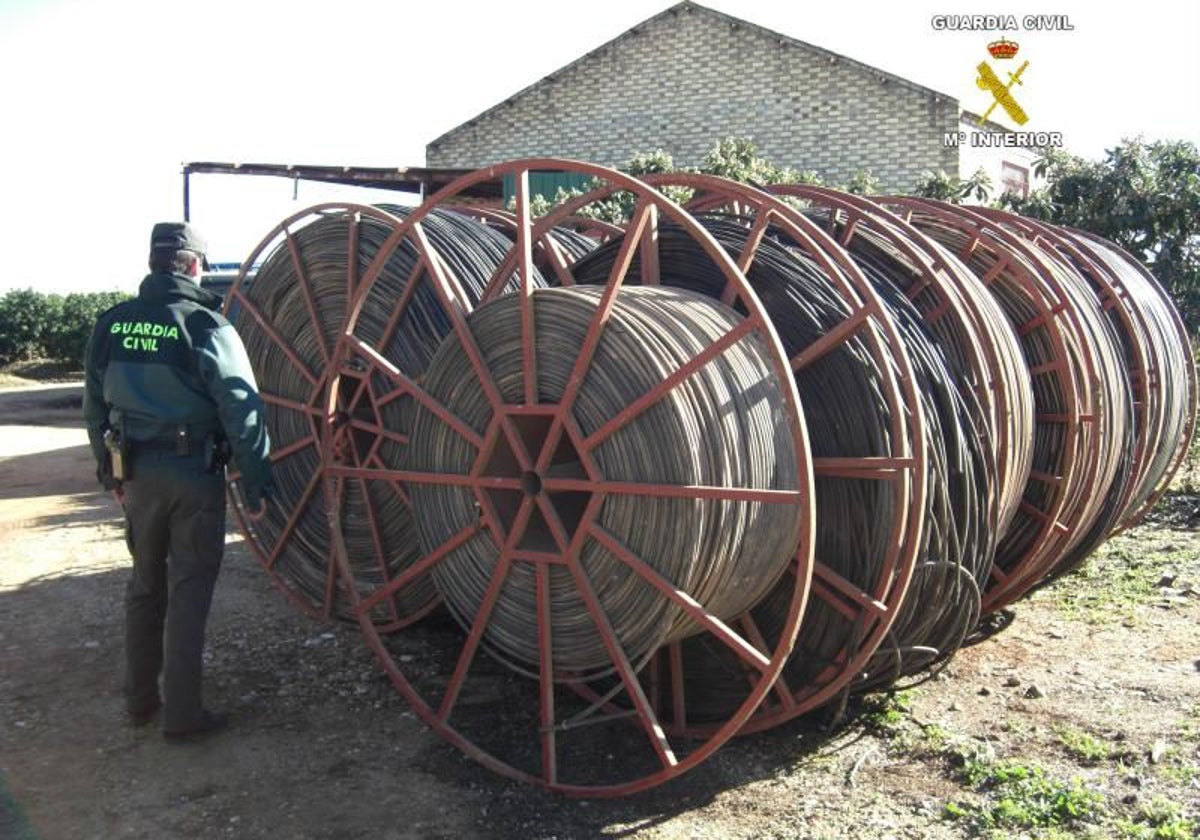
column 168, row 445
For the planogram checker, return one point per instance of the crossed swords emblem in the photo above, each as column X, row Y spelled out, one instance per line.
column 1001, row 93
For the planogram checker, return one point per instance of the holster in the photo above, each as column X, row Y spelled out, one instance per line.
column 216, row 452
column 118, row 454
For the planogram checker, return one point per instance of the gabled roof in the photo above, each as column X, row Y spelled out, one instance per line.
column 688, row 5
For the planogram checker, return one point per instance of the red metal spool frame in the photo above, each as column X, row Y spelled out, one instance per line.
column 1099, row 453
column 1037, row 284
column 612, row 777
column 324, row 407
column 873, row 611
column 1114, row 298
column 1091, row 241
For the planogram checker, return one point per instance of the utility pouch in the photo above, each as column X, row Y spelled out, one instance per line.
column 216, row 452
column 118, row 454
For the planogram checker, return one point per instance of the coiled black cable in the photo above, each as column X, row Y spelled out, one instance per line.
column 847, row 416
column 721, row 426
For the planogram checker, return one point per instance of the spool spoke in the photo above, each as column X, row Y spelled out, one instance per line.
column 408, row 386
column 302, row 282
column 525, row 268
column 420, row 567
column 401, row 305
column 290, row 527
column 877, row 468
column 546, row 677
column 745, row 651
column 249, row 306
column 616, row 278
column 454, row 300
column 646, row 717
column 673, row 491
column 467, row 655
column 834, row 336
column 377, row 540
column 284, row 402
column 648, row 250
column 642, row 403
column 844, row 596
column 749, row 251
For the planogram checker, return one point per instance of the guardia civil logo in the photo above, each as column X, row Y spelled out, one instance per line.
column 1001, row 91
column 144, row 335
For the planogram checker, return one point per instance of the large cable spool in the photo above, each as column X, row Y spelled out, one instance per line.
column 1109, row 331
column 539, row 730
column 1020, row 281
column 290, row 314
column 866, row 426
column 719, row 427
column 940, row 335
column 1170, row 384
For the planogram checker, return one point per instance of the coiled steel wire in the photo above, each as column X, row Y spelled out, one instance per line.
column 969, row 326
column 848, row 416
column 1108, row 430
column 312, row 270
column 1058, row 360
column 721, row 426
column 944, row 600
column 1169, row 390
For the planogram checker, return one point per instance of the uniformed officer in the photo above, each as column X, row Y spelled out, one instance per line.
column 169, row 387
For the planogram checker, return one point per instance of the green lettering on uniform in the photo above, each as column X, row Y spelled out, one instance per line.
column 142, row 343
column 150, row 329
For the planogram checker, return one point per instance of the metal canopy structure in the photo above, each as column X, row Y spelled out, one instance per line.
column 410, row 179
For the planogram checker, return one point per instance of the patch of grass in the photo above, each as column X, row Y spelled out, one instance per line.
column 1121, row 578
column 1021, row 796
column 1180, row 772
column 1189, row 727
column 1082, row 746
column 1160, row 819
column 887, row 715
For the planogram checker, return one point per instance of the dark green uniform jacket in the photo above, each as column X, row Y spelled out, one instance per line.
column 168, row 359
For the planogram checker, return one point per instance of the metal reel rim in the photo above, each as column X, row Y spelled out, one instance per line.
column 796, row 422
column 904, row 402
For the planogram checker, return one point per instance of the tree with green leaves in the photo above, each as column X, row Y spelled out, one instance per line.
column 952, row 189
column 1145, row 197
column 26, row 318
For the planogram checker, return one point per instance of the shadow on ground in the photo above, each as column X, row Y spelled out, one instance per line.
column 322, row 746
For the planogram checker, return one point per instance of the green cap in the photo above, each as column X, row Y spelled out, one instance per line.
column 177, row 236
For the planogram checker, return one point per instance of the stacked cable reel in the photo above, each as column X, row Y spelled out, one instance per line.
column 596, row 471
column 699, row 472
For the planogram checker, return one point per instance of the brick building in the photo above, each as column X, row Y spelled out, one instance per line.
column 689, row 76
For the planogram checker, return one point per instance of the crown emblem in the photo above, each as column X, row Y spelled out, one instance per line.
column 1003, row 48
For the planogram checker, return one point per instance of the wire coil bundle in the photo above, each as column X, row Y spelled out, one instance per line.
column 719, row 427
column 849, row 416
column 291, row 317
column 746, row 458
column 1167, row 398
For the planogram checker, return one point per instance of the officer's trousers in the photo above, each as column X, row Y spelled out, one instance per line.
column 175, row 529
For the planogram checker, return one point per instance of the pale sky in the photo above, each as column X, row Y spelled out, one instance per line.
column 101, row 101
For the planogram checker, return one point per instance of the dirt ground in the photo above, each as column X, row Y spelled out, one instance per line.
column 1090, row 700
